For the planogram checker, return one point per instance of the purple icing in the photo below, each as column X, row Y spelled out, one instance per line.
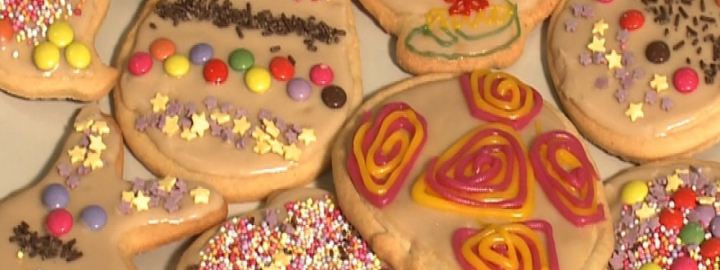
column 601, row 82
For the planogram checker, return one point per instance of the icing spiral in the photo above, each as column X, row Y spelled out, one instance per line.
column 384, row 151
column 566, row 175
column 500, row 97
column 512, row 246
column 483, row 174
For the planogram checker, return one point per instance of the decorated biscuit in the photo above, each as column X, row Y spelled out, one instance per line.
column 83, row 215
column 244, row 95
column 296, row 229
column 634, row 75
column 666, row 216
column 47, row 49
column 470, row 172
column 458, row 35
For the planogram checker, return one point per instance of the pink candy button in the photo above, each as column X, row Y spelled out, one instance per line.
column 321, row 74
column 59, row 222
column 140, row 63
column 686, row 80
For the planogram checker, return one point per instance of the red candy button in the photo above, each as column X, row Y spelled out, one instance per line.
column 671, row 219
column 684, row 198
column 215, row 71
column 59, row 222
column 281, row 68
column 140, row 63
column 632, row 20
column 6, row 31
column 710, row 249
column 605, row 1
column 686, row 80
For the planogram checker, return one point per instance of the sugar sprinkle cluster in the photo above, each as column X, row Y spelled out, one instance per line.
column 30, row 19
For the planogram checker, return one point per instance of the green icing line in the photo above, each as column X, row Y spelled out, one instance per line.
column 454, row 37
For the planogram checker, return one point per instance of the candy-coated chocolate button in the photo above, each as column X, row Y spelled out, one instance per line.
column 685, row 198
column 94, row 217
column 299, row 89
column 241, row 60
column 78, row 55
column 46, row 56
column 140, row 63
column 686, row 80
column 55, row 196
column 321, row 74
column 59, row 222
column 715, row 226
column 61, row 34
column 671, row 219
column 215, row 71
column 605, row 1
column 258, row 79
column 162, row 48
column 634, row 192
column 710, row 248
column 704, row 214
column 6, row 30
column 692, row 234
column 177, row 65
column 684, row 263
column 333, row 96
column 632, row 20
column 201, row 53
column 657, row 52
column 281, row 68
column 650, row 266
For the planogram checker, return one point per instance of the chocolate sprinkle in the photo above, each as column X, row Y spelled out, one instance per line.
column 47, row 246
column 275, row 48
column 334, row 96
column 153, row 26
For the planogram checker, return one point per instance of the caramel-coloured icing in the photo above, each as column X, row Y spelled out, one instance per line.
column 212, row 155
column 101, row 249
column 576, row 81
column 443, row 106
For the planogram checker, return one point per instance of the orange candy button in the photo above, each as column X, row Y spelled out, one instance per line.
column 162, row 48
column 6, row 31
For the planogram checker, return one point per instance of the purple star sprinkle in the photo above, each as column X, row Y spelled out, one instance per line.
column 601, row 82
column 174, row 108
column 587, row 11
column 241, row 142
column 181, row 186
column 155, row 201
column 85, row 141
column 621, row 96
column 622, row 36
column 621, row 73
column 64, row 169
column 227, row 135
column 570, row 25
column 210, row 102
column 240, row 113
column 83, row 171
column 296, row 128
column 264, row 114
column 577, row 9
column 650, row 97
column 185, row 123
column 227, row 108
column 215, row 129
column 638, row 73
column 599, row 58
column 585, row 58
column 161, row 122
column 616, row 261
column 666, row 104
column 280, row 124
column 271, row 218
column 124, row 208
column 628, row 59
column 190, row 109
column 626, row 82
column 138, row 185
column 290, row 136
column 142, row 123
column 73, row 181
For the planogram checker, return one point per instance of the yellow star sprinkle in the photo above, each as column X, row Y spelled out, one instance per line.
column 673, row 182
column 706, row 200
column 167, row 184
column 260, row 135
column 277, row 147
column 635, row 111
column 270, row 128
column 128, row 196
column 200, row 195
column 307, row 136
column 188, row 135
column 645, row 211
column 97, row 144
column 77, row 154
column 84, row 125
column 597, row 45
column 220, row 117
column 262, row 147
column 93, row 161
column 171, row 125
column 614, row 60
column 200, row 124
column 292, row 153
column 100, row 128
column 659, row 83
column 599, row 27
column 141, row 202
column 240, row 126
column 159, row 102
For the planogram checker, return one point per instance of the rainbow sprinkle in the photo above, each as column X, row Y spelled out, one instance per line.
column 312, row 235
column 30, row 19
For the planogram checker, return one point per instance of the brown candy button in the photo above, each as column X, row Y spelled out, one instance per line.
column 657, row 52
column 334, row 96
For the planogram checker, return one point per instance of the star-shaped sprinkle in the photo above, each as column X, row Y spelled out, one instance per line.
column 635, row 111
column 706, row 200
column 93, row 161
column 188, row 135
column 659, row 83
column 83, row 125
column 77, row 154
column 599, row 27
column 277, row 147
column 614, row 60
column 260, row 135
column 200, row 195
column 200, row 124
column 650, row 97
column 262, row 147
column 128, row 196
column 240, row 126
column 96, row 144
column 292, row 153
column 100, row 128
column 621, row 95
column 597, row 44
column 585, row 58
column 171, row 125
column 141, row 202
column 220, row 117
column 645, row 211
column 167, row 184
column 159, row 102
column 270, row 128
column 571, row 25
column 673, row 182
column 307, row 136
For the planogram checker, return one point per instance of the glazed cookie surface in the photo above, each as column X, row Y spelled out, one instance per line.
column 83, row 215
column 637, row 74
column 470, row 172
column 244, row 95
column 458, row 35
column 666, row 216
column 295, row 229
column 47, row 49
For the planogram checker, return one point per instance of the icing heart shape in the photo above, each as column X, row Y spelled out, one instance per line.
column 567, row 176
column 485, row 173
column 384, row 151
column 83, row 215
column 513, row 246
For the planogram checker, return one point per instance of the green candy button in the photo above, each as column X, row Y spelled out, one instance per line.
column 241, row 60
column 692, row 234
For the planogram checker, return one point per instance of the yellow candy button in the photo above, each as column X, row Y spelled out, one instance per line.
column 634, row 192
column 46, row 56
column 61, row 34
column 176, row 65
column 650, row 266
column 78, row 55
column 258, row 79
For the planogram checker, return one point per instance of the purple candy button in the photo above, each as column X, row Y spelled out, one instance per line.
column 94, row 217
column 299, row 89
column 55, row 196
column 201, row 53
